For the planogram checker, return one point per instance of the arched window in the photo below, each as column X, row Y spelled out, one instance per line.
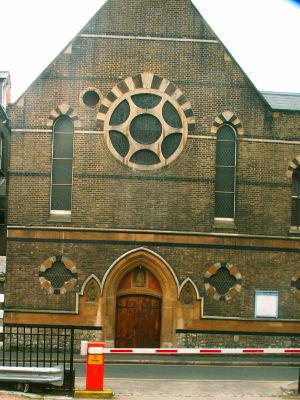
column 296, row 199
column 62, row 166
column 225, row 173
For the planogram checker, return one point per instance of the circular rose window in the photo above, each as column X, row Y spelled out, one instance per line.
column 146, row 127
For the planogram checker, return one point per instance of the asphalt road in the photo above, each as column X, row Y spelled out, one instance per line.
column 196, row 372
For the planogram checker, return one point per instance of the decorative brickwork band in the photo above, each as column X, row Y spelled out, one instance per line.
column 63, row 109
column 146, row 120
column 58, row 275
column 230, row 118
column 222, row 281
column 293, row 165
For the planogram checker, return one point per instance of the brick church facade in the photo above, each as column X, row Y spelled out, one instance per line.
column 154, row 191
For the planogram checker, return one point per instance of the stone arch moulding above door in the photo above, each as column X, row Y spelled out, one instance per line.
column 167, row 279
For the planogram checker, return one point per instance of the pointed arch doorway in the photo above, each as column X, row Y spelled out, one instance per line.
column 138, row 310
column 140, row 294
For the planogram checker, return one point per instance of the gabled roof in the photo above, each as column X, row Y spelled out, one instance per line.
column 283, row 101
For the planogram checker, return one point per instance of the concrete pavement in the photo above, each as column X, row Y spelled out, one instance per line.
column 166, row 389
column 152, row 389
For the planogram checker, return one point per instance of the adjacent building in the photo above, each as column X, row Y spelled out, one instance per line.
column 154, row 191
column 4, row 155
column 4, row 159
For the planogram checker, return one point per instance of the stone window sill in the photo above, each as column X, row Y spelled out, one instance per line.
column 294, row 230
column 60, row 218
column 224, row 224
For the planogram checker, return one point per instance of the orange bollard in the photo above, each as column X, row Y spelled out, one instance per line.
column 95, row 366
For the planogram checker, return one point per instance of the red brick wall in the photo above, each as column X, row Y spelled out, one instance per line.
column 180, row 197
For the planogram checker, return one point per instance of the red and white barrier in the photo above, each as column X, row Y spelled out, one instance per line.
column 202, row 351
column 193, row 350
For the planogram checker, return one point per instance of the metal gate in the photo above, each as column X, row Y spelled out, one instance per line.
column 40, row 346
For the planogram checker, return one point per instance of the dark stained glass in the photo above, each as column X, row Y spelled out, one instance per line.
column 224, row 205
column 119, row 142
column 63, row 124
column 225, row 179
column 62, row 171
column 296, row 198
column 145, row 129
column 226, row 132
column 62, row 163
column 171, row 144
column 120, row 114
column 145, row 157
column 296, row 183
column 222, row 281
column 225, row 172
column 225, row 153
column 171, row 115
column 2, row 217
column 58, row 274
column 146, row 100
column 63, row 145
column 90, row 98
column 61, row 197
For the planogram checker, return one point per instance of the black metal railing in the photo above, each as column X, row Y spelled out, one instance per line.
column 26, row 345
column 40, row 346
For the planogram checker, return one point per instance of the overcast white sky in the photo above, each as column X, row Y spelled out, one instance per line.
column 262, row 35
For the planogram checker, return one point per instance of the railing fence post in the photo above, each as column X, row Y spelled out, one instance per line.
column 72, row 374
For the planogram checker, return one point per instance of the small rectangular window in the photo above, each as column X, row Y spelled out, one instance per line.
column 266, row 304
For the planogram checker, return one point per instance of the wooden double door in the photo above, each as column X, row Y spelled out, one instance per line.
column 138, row 320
